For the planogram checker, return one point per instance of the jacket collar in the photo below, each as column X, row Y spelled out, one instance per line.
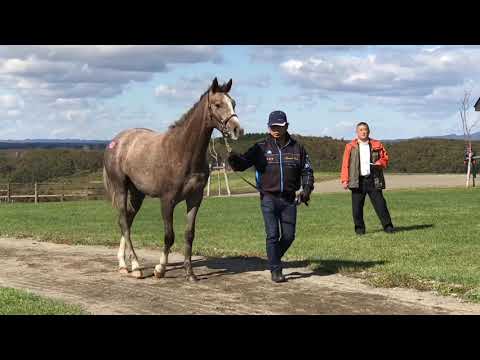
column 375, row 143
column 290, row 140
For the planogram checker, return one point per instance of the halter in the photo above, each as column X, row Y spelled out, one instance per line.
column 222, row 123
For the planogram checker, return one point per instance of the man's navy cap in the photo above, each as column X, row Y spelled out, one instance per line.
column 277, row 118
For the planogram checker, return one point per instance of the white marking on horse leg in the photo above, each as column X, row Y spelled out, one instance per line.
column 164, row 258
column 163, row 262
column 121, row 254
column 135, row 264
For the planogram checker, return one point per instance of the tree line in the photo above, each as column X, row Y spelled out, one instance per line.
column 407, row 156
column 45, row 164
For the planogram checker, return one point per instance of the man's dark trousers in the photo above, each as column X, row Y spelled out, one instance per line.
column 280, row 217
column 367, row 186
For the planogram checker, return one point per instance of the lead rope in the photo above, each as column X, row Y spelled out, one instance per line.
column 229, row 150
column 228, row 147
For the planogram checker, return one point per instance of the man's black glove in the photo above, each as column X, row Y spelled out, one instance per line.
column 234, row 160
column 304, row 196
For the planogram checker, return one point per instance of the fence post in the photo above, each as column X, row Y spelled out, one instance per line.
column 63, row 192
column 36, row 192
column 8, row 192
column 226, row 179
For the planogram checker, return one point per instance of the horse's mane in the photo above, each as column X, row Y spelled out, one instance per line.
column 183, row 119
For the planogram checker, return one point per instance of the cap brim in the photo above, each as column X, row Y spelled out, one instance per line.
column 279, row 124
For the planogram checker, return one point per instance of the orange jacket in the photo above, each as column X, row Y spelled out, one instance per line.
column 376, row 146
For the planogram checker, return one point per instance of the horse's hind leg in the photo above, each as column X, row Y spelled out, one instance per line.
column 131, row 201
column 122, row 266
column 167, row 214
column 193, row 204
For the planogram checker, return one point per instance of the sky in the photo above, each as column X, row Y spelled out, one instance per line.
column 96, row 91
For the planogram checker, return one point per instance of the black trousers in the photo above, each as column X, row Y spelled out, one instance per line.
column 367, row 186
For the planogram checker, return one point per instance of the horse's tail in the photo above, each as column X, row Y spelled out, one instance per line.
column 109, row 189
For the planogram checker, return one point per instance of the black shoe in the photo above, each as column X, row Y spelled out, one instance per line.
column 360, row 231
column 389, row 229
column 277, row 276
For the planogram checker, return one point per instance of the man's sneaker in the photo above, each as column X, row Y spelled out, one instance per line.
column 389, row 229
column 277, row 276
column 360, row 231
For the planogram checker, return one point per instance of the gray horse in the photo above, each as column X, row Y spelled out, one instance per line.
column 171, row 166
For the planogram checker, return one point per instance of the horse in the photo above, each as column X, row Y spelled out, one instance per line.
column 171, row 166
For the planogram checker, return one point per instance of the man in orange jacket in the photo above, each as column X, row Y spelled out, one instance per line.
column 362, row 172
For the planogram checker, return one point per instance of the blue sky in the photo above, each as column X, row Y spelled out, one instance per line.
column 96, row 91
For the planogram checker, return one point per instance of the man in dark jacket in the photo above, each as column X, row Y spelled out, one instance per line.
column 282, row 166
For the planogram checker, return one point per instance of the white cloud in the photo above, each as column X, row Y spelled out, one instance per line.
column 186, row 91
column 91, row 71
column 262, row 81
column 165, row 90
column 11, row 102
column 278, row 53
column 343, row 108
column 427, row 82
column 13, row 113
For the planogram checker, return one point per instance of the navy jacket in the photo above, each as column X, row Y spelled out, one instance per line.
column 279, row 169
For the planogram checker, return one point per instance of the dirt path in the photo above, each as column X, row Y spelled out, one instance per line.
column 394, row 182
column 86, row 275
column 403, row 181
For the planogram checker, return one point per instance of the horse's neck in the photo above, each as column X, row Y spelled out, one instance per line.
column 194, row 136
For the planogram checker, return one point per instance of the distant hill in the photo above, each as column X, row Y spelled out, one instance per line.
column 52, row 144
column 475, row 136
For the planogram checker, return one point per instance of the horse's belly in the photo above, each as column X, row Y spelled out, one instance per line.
column 147, row 182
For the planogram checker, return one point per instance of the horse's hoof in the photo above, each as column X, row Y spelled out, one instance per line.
column 123, row 271
column 192, row 278
column 137, row 274
column 159, row 274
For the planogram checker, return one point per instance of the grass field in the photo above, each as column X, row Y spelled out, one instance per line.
column 437, row 245
column 237, row 185
column 17, row 302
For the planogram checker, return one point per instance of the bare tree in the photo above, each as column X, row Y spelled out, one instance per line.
column 467, row 127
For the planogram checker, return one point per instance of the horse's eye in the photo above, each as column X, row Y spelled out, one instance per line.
column 217, row 105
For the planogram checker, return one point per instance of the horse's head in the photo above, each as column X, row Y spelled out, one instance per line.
column 222, row 110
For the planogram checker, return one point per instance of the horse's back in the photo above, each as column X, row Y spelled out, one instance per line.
column 143, row 156
column 130, row 134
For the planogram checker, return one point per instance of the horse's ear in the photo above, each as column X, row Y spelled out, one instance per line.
column 215, row 85
column 228, row 86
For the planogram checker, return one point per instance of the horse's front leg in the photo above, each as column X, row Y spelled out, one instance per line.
column 193, row 204
column 167, row 214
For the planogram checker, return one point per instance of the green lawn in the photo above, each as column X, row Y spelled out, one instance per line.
column 438, row 244
column 236, row 184
column 17, row 302
column 239, row 186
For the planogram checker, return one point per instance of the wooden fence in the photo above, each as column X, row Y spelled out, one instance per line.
column 37, row 192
